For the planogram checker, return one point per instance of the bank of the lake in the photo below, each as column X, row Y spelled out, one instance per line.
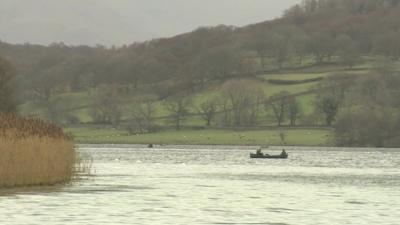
column 293, row 137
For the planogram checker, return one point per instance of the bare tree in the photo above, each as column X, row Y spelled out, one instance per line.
column 143, row 116
column 347, row 51
column 106, row 106
column 279, row 103
column 329, row 106
column 279, row 49
column 244, row 97
column 332, row 95
column 50, row 74
column 207, row 110
column 388, row 44
column 294, row 110
column 224, row 105
column 321, row 46
column 178, row 108
column 259, row 43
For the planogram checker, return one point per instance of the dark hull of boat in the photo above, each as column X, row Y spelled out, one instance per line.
column 256, row 156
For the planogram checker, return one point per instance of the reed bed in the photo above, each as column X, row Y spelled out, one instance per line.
column 33, row 152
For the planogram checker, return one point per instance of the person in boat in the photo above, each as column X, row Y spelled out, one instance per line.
column 284, row 153
column 259, row 152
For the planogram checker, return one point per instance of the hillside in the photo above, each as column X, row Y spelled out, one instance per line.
column 279, row 75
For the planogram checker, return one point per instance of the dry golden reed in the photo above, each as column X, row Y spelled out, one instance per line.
column 33, row 152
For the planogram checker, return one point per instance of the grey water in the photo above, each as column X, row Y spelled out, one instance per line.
column 132, row 184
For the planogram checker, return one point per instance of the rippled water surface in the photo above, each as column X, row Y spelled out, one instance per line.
column 218, row 185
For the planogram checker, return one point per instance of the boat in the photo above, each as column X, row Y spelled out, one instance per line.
column 266, row 156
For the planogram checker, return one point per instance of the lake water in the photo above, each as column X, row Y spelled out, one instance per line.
column 218, row 185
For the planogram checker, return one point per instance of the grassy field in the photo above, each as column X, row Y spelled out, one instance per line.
column 298, row 137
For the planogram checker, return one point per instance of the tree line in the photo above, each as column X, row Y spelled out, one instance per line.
column 363, row 109
column 238, row 103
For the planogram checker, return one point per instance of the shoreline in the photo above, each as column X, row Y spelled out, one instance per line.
column 145, row 145
column 226, row 147
column 292, row 137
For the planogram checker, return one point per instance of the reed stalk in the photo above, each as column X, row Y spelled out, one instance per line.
column 33, row 152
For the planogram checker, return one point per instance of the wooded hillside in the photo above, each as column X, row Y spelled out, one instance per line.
column 313, row 32
column 271, row 74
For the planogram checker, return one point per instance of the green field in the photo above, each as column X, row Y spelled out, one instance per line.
column 298, row 137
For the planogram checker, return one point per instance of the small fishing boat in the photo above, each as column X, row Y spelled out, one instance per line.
column 266, row 156
column 260, row 155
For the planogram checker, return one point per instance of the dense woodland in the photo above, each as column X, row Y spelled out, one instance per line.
column 167, row 71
